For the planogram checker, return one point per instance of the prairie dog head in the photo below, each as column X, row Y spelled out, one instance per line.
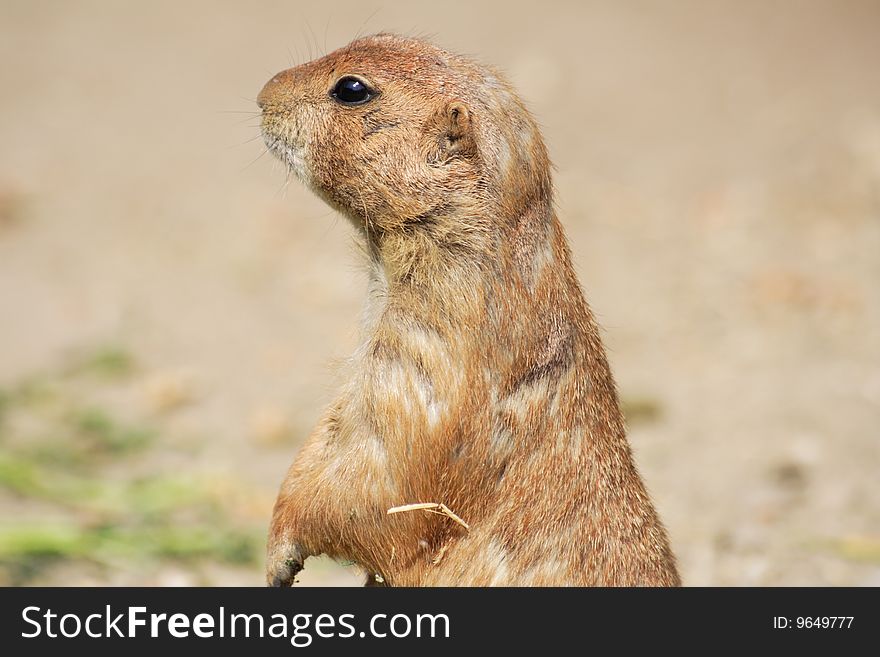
column 396, row 132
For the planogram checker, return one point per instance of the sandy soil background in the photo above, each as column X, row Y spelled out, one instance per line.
column 170, row 311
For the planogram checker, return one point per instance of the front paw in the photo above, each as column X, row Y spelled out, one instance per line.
column 283, row 563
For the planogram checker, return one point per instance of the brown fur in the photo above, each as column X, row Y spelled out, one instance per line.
column 481, row 382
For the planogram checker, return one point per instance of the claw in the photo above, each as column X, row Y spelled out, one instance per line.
column 284, row 574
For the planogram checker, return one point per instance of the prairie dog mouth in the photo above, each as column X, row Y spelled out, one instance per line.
column 285, row 147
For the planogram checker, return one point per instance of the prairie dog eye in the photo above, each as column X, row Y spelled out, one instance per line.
column 350, row 90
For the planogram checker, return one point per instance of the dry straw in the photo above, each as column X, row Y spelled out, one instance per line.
column 431, row 507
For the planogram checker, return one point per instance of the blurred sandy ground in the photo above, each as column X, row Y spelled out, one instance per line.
column 718, row 172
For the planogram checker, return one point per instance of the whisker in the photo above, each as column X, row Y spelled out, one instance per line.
column 314, row 38
column 245, row 142
column 305, row 40
column 326, row 27
column 285, row 185
column 364, row 24
column 255, row 160
column 246, row 119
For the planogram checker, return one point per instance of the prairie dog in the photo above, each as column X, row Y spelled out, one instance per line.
column 481, row 383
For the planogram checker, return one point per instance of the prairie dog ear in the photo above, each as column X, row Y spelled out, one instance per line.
column 455, row 132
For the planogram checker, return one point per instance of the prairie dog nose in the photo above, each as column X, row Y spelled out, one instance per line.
column 275, row 89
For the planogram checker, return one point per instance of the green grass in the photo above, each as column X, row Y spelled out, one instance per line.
column 107, row 543
column 108, row 361
column 103, row 434
column 69, row 477
column 19, row 476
